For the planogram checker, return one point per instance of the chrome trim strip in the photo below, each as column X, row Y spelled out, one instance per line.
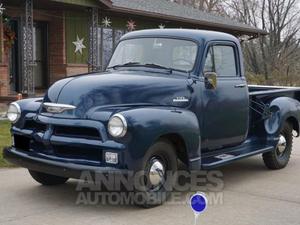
column 57, row 108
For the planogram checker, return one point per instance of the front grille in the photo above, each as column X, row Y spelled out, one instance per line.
column 36, row 144
column 62, row 151
column 77, row 132
column 33, row 125
column 22, row 142
column 69, row 152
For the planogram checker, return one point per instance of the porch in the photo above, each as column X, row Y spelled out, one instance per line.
column 34, row 45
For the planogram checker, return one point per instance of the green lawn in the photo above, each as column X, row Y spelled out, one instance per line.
column 4, row 140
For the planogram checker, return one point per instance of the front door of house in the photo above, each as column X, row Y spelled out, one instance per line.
column 40, row 55
column 11, row 29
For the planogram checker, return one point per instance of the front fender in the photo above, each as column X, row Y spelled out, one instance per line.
column 147, row 125
column 30, row 105
column 283, row 109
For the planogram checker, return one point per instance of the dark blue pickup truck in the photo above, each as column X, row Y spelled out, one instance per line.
column 166, row 95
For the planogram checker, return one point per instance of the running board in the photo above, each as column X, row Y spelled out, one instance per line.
column 213, row 160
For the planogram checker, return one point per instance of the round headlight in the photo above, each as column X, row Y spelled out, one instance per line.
column 13, row 112
column 117, row 126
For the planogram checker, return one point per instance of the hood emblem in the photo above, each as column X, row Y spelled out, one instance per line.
column 180, row 99
column 57, row 108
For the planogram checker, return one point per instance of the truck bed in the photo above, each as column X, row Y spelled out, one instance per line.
column 266, row 92
column 260, row 97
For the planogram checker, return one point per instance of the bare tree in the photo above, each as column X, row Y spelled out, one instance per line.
column 208, row 5
column 274, row 57
column 213, row 6
column 276, row 54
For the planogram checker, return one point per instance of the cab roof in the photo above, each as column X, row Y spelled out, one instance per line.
column 200, row 36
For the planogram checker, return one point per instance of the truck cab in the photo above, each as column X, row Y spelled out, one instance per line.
column 166, row 95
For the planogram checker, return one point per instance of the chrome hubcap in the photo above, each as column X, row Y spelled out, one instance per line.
column 156, row 173
column 281, row 144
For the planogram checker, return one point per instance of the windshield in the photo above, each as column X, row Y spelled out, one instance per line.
column 155, row 52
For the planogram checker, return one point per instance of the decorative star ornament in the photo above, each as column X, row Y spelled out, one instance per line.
column 162, row 26
column 79, row 45
column 131, row 25
column 1, row 9
column 106, row 22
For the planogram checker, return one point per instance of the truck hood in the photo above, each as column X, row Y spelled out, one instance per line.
column 119, row 89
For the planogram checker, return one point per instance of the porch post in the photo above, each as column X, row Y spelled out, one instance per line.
column 27, row 49
column 94, row 59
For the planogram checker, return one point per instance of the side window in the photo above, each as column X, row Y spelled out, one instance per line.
column 225, row 63
column 209, row 63
column 221, row 59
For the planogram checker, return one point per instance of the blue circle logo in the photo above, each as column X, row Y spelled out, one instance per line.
column 198, row 203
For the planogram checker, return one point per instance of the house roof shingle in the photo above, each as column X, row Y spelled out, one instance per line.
column 172, row 11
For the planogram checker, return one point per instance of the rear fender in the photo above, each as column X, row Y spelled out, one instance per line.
column 283, row 109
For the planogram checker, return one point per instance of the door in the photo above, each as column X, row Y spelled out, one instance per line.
column 225, row 109
column 40, row 55
column 14, row 66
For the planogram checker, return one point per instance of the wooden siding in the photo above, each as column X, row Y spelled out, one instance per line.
column 77, row 23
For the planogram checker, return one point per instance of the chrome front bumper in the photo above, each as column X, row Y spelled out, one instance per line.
column 35, row 162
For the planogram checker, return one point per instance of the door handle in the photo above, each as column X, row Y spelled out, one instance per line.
column 240, row 85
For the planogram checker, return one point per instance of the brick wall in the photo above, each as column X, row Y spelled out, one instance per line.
column 4, row 80
column 4, row 75
column 57, row 55
column 74, row 69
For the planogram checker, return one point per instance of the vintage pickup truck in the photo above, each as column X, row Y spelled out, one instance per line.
column 166, row 96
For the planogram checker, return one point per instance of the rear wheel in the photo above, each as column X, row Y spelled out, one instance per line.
column 279, row 158
column 47, row 179
column 159, row 162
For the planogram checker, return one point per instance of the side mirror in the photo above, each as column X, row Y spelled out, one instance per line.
column 210, row 80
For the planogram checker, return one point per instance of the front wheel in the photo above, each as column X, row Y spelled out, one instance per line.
column 159, row 167
column 47, row 179
column 279, row 158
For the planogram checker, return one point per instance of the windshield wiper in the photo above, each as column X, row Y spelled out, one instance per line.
column 149, row 65
column 170, row 69
column 129, row 64
column 153, row 65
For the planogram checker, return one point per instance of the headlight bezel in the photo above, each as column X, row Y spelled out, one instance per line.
column 123, row 121
column 18, row 112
